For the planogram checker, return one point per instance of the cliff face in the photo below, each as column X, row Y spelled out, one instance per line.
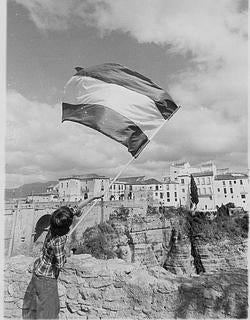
column 173, row 240
column 91, row 288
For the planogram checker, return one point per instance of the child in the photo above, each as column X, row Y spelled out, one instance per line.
column 41, row 300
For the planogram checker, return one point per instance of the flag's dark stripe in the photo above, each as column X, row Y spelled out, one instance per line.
column 108, row 122
column 120, row 75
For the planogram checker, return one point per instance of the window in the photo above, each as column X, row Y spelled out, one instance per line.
column 230, row 183
column 241, row 182
column 198, row 181
column 168, row 200
column 218, row 189
column 167, row 186
column 175, row 200
column 67, row 185
column 182, row 181
column 62, row 184
column 224, row 183
column 175, row 194
column 204, row 190
column 231, row 190
column 183, row 190
column 175, row 186
column 156, row 194
column 161, row 195
column 234, row 181
column 208, row 180
column 168, row 194
column 225, row 190
column 243, row 196
column 203, row 180
column 210, row 190
column 156, row 188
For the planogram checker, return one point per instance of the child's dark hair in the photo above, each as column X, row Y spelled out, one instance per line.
column 60, row 221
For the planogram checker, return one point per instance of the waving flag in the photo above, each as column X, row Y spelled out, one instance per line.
column 118, row 102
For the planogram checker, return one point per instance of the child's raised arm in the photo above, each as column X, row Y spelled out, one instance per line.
column 83, row 204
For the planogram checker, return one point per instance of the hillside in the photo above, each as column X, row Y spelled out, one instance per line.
column 27, row 189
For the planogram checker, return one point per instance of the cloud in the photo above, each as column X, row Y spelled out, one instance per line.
column 38, row 144
column 40, row 147
column 212, row 89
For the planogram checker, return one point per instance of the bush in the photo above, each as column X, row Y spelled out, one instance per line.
column 222, row 227
column 97, row 241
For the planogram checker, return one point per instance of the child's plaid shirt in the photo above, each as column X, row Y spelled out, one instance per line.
column 52, row 257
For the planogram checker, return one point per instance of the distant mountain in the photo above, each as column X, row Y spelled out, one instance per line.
column 26, row 189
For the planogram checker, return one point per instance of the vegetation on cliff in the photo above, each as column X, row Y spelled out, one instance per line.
column 104, row 241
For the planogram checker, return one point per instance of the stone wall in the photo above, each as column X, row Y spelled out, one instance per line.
column 96, row 289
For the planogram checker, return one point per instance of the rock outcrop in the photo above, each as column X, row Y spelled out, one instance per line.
column 96, row 289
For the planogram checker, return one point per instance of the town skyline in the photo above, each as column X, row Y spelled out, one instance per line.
column 197, row 66
column 160, row 178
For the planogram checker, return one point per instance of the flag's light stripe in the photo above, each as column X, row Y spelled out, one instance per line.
column 137, row 107
column 108, row 122
column 118, row 74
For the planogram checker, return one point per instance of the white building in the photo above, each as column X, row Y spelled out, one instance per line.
column 170, row 190
column 43, row 197
column 79, row 187
column 232, row 187
column 215, row 186
column 117, row 191
column 150, row 190
column 205, row 187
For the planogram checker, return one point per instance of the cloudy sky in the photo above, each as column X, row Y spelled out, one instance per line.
column 196, row 50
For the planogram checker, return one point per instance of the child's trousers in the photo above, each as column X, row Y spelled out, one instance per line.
column 41, row 300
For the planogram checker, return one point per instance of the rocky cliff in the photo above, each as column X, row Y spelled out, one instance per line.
column 97, row 289
column 182, row 244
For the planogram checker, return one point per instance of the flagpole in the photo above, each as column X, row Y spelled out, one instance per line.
column 94, row 203
column 121, row 171
column 156, row 131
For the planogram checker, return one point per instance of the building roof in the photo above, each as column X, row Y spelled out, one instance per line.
column 167, row 180
column 231, row 176
column 202, row 174
column 131, row 180
column 147, row 182
column 84, row 176
column 43, row 194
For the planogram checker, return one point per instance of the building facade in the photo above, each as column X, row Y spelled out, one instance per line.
column 232, row 187
column 76, row 188
column 215, row 186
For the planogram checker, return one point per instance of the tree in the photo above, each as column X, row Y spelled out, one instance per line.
column 193, row 192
